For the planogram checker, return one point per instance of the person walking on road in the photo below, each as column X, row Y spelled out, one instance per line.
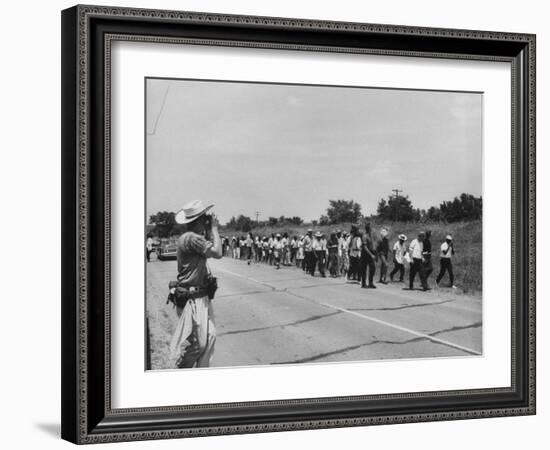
column 265, row 249
column 278, row 250
column 257, row 249
column 354, row 254
column 333, row 261
column 382, row 250
column 270, row 242
column 445, row 264
column 285, row 258
column 293, row 249
column 344, row 243
column 193, row 340
column 308, row 252
column 340, row 240
column 415, row 252
column 300, row 254
column 234, row 246
column 399, row 251
column 367, row 261
column 427, row 265
column 248, row 243
column 319, row 248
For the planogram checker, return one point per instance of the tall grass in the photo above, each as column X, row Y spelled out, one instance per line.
column 467, row 237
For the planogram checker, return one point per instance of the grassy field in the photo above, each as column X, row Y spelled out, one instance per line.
column 467, row 262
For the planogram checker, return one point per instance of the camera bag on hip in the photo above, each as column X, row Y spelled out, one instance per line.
column 211, row 286
column 178, row 294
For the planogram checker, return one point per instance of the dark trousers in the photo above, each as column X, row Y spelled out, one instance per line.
column 445, row 265
column 366, row 263
column 416, row 268
column 333, row 263
column 428, row 268
column 353, row 271
column 397, row 267
column 319, row 260
column 310, row 262
column 383, row 267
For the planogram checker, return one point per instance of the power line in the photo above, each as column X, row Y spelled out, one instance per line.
column 160, row 112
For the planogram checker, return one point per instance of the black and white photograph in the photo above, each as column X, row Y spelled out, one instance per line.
column 300, row 224
column 279, row 221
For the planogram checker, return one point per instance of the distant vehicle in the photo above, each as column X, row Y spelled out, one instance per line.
column 167, row 250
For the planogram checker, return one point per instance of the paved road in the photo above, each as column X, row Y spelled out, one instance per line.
column 268, row 316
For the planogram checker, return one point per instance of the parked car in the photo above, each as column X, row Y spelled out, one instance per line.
column 167, row 251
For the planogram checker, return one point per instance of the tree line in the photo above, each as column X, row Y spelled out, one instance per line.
column 466, row 207
column 245, row 223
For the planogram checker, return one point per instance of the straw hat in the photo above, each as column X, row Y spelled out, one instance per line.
column 191, row 211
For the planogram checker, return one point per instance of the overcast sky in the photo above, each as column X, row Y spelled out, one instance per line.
column 288, row 149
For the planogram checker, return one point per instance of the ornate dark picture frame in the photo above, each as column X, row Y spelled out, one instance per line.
column 87, row 34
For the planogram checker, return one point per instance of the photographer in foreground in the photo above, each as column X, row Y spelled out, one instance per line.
column 193, row 340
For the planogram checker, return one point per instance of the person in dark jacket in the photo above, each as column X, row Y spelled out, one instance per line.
column 382, row 250
column 427, row 266
column 332, row 248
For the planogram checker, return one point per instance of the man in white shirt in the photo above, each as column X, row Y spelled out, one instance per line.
column 445, row 265
column 415, row 251
column 319, row 246
column 344, row 243
column 399, row 250
column 340, row 251
column 270, row 242
column 278, row 248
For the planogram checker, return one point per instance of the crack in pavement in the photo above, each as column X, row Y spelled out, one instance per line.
column 379, row 341
column 239, row 294
column 298, row 322
column 273, row 289
column 311, row 286
column 352, row 347
column 396, row 308
column 456, row 328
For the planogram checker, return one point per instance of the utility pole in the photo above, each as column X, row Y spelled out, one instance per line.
column 257, row 217
column 397, row 204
